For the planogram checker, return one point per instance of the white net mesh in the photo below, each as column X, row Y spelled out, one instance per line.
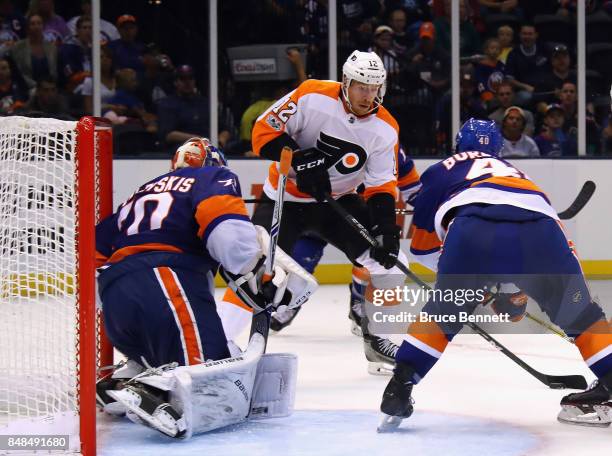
column 38, row 306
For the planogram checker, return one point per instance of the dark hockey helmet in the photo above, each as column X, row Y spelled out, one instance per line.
column 479, row 135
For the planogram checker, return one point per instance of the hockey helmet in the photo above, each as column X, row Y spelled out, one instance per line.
column 365, row 67
column 479, row 135
column 197, row 152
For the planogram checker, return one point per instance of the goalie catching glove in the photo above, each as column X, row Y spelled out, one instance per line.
column 290, row 287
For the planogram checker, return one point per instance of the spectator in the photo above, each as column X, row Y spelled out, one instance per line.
column 271, row 91
column 383, row 46
column 185, row 114
column 505, row 35
column 401, row 39
column 505, row 99
column 107, row 88
column 127, row 52
column 125, row 102
column 489, row 72
column 108, row 32
column 569, row 102
column 12, row 94
column 75, row 56
column 469, row 38
column 516, row 142
column 34, row 57
column 552, row 141
column 47, row 99
column 525, row 64
column 428, row 62
column 548, row 89
column 55, row 29
column 12, row 26
column 357, row 16
column 470, row 105
column 314, row 34
column 158, row 77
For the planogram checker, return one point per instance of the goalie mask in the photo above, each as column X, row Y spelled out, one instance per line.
column 367, row 68
column 197, row 152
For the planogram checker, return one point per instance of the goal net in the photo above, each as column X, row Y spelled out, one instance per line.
column 55, row 183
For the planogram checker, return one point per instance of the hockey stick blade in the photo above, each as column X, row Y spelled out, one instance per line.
column 585, row 194
column 577, row 382
column 389, row 423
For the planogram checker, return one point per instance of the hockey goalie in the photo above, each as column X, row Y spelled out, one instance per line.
column 158, row 254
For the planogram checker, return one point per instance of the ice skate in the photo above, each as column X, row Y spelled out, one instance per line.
column 380, row 353
column 151, row 406
column 592, row 407
column 397, row 402
column 116, row 378
column 355, row 313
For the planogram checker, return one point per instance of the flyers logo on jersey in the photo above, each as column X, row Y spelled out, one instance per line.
column 345, row 156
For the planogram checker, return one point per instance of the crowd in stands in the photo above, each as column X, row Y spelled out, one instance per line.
column 518, row 67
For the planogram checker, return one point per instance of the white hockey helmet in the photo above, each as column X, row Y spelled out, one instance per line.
column 365, row 67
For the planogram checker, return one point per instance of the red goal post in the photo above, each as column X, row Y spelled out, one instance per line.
column 55, row 185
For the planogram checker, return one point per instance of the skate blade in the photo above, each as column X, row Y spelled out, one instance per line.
column 389, row 423
column 378, row 368
column 601, row 417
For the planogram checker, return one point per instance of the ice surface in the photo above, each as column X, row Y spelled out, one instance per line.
column 474, row 401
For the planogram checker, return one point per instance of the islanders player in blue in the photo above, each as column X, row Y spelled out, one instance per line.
column 479, row 220
column 158, row 255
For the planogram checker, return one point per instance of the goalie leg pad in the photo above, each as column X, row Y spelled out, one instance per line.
column 217, row 393
column 275, row 384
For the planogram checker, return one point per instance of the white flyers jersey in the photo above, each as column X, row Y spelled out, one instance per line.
column 314, row 115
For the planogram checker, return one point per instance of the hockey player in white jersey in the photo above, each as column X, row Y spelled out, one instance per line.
column 342, row 137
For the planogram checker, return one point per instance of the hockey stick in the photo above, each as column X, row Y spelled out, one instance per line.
column 583, row 197
column 552, row 381
column 261, row 317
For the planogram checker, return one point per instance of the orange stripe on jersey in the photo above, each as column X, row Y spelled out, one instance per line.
column 100, row 259
column 411, row 178
column 291, row 186
column 270, row 125
column 385, row 115
column 595, row 339
column 514, row 182
column 424, row 240
column 134, row 249
column 184, row 314
column 231, row 297
column 216, row 206
column 388, row 187
column 361, row 275
column 429, row 333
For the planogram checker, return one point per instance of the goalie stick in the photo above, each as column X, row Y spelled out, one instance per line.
column 552, row 381
column 261, row 317
column 583, row 197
